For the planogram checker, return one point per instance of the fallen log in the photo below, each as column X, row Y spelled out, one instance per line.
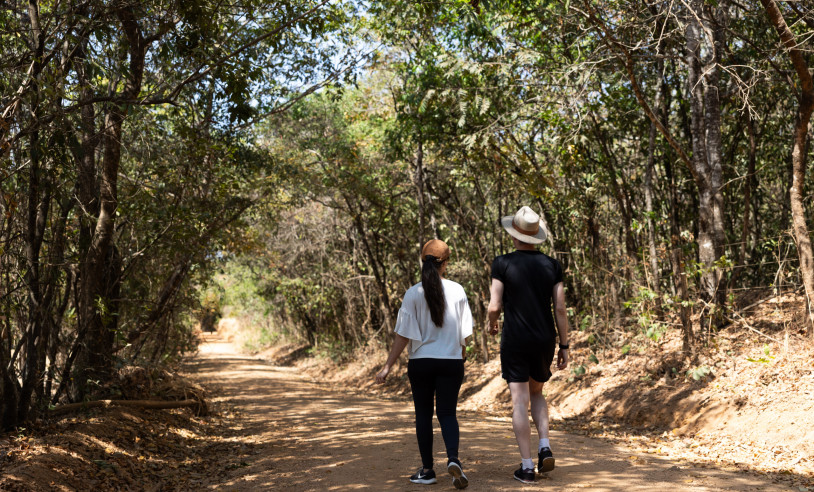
column 153, row 404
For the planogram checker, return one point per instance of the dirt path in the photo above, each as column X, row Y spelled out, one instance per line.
column 304, row 436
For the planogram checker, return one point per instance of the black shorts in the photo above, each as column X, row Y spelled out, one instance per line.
column 518, row 366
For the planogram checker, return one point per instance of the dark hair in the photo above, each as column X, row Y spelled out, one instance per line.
column 433, row 289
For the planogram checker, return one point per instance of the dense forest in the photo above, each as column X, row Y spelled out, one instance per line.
column 160, row 158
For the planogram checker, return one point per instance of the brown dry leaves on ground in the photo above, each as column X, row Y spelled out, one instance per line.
column 122, row 449
column 753, row 410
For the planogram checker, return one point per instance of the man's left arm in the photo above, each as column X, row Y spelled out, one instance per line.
column 561, row 319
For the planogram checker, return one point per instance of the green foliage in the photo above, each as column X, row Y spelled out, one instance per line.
column 647, row 319
column 765, row 359
column 129, row 131
column 655, row 331
column 700, row 373
column 291, row 188
column 256, row 337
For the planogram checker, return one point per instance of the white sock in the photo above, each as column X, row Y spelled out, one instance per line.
column 543, row 444
column 528, row 464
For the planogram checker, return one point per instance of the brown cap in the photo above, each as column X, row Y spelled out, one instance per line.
column 436, row 248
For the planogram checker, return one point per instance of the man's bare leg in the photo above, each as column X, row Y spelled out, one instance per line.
column 539, row 408
column 520, row 417
column 539, row 413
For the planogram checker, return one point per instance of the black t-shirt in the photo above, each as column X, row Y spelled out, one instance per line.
column 528, row 280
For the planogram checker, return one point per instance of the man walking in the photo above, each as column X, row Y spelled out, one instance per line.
column 524, row 285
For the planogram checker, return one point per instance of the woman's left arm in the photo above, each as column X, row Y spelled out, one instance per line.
column 398, row 348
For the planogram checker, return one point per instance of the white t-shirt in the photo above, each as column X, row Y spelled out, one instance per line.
column 428, row 341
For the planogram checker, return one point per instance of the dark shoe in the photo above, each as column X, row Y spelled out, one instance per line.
column 545, row 461
column 425, row 477
column 524, row 475
column 459, row 480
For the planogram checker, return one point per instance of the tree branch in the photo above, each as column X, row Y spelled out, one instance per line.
column 629, row 65
column 151, row 404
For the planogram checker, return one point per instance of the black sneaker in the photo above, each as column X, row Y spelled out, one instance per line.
column 525, row 475
column 459, row 480
column 425, row 477
column 545, row 461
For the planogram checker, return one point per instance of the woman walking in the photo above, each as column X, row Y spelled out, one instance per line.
column 435, row 321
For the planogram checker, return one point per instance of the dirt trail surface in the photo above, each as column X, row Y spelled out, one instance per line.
column 305, row 436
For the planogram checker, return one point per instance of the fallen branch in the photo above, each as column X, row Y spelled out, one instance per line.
column 767, row 299
column 153, row 404
column 746, row 325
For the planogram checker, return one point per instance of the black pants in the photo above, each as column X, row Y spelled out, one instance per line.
column 442, row 379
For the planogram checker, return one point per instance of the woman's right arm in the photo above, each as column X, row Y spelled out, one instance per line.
column 398, row 348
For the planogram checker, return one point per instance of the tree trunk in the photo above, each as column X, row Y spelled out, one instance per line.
column 378, row 274
column 798, row 154
column 620, row 192
column 701, row 96
column 676, row 247
column 8, row 382
column 51, row 320
column 54, row 341
column 703, row 81
column 87, row 195
column 39, row 200
column 649, row 210
column 747, row 199
column 95, row 358
column 660, row 107
column 419, row 184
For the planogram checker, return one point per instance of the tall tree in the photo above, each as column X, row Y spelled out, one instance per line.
column 799, row 151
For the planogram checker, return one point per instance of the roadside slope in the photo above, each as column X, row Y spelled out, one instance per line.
column 305, row 435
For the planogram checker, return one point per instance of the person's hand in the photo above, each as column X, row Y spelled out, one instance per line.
column 382, row 375
column 562, row 359
column 493, row 329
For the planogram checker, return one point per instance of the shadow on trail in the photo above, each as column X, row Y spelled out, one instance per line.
column 122, row 448
column 306, row 437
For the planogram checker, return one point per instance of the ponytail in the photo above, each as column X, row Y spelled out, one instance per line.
column 433, row 289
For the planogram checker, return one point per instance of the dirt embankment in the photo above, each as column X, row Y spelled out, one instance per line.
column 353, row 439
column 276, row 427
column 751, row 406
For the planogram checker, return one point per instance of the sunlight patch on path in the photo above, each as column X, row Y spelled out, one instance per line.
column 308, row 437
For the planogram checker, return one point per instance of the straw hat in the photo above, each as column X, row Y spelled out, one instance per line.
column 525, row 226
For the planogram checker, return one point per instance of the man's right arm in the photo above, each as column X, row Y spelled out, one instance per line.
column 495, row 305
